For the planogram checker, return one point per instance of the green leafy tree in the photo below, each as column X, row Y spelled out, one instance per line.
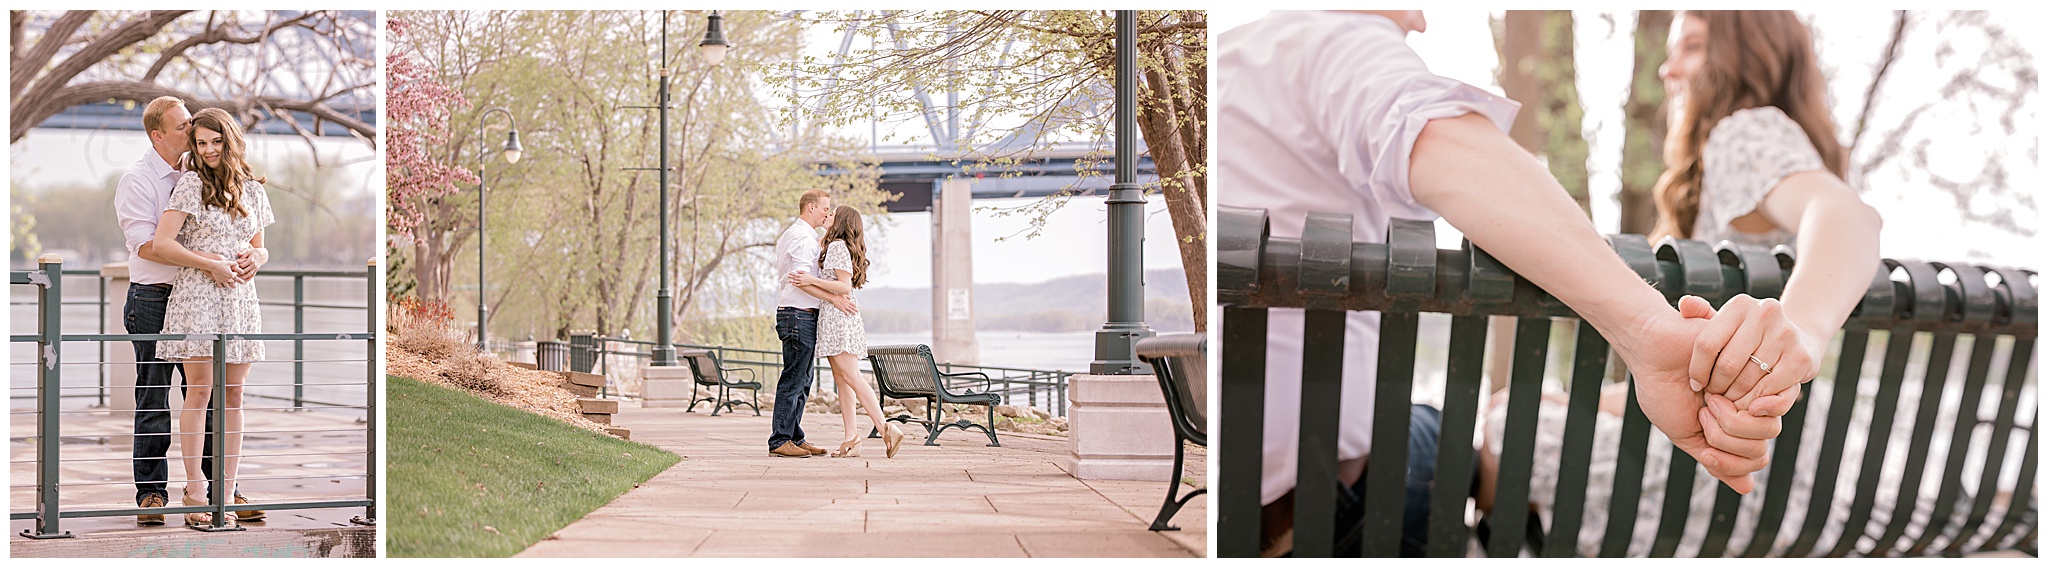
column 572, row 227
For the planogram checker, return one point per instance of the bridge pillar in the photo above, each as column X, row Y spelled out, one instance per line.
column 953, row 274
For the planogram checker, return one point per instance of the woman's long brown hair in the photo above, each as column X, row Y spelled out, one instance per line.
column 846, row 227
column 1753, row 59
column 221, row 187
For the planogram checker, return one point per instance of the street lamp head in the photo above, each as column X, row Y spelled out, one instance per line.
column 713, row 46
column 512, row 149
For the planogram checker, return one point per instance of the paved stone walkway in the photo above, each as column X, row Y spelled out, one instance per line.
column 728, row 497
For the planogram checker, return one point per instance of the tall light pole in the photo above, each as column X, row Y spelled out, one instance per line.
column 713, row 49
column 1114, row 353
column 512, row 152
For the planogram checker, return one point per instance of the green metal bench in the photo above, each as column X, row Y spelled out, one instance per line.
column 1328, row 275
column 908, row 371
column 712, row 374
column 1181, row 363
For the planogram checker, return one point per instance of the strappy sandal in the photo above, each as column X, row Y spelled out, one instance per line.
column 848, row 449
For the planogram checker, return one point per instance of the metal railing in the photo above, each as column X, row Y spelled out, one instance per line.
column 1326, row 274
column 298, row 305
column 587, row 352
column 49, row 340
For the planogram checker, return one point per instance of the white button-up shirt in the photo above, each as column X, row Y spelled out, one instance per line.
column 796, row 249
column 1319, row 112
column 139, row 201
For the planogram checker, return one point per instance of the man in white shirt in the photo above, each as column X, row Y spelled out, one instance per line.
column 1332, row 112
column 796, row 324
column 139, row 201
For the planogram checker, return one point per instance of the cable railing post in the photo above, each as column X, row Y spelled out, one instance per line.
column 49, row 364
column 217, row 479
column 369, row 516
column 299, row 345
column 103, row 345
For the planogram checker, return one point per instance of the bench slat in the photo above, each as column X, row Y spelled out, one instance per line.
column 1932, row 384
column 1240, row 447
column 1447, row 530
column 1628, row 477
column 1322, row 396
column 1589, row 369
column 1981, row 349
column 2001, row 433
column 1889, row 381
column 1386, row 478
column 1727, row 504
column 1672, row 517
column 1784, row 467
column 2022, row 498
column 1841, row 405
column 1518, row 446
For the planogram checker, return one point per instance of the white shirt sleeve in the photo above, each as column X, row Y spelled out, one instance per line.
column 1384, row 96
column 135, row 210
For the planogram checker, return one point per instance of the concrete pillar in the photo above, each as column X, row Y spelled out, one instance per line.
column 953, row 275
column 666, row 386
column 1118, row 428
column 120, row 354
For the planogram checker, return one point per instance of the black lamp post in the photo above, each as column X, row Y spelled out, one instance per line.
column 1114, row 343
column 512, row 153
column 713, row 49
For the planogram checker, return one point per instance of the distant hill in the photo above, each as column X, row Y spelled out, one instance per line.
column 1074, row 303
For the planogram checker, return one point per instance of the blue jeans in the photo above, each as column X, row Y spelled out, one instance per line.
column 798, row 330
column 144, row 314
column 1425, row 424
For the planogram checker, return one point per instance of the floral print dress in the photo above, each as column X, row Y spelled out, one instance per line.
column 839, row 332
column 198, row 305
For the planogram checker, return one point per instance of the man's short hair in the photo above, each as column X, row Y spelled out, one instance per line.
column 153, row 114
column 810, row 197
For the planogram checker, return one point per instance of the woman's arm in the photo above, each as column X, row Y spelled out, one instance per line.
column 173, row 252
column 1837, row 250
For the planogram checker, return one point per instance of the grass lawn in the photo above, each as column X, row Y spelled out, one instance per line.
column 468, row 477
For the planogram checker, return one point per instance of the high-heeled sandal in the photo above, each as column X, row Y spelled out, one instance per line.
column 199, row 519
column 848, row 449
column 892, row 438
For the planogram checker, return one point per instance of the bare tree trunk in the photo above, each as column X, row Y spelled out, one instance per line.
column 1163, row 131
column 1644, row 125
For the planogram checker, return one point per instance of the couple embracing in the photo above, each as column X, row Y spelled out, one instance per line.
column 815, row 316
column 192, row 213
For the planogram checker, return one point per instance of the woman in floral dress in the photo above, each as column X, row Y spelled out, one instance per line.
column 217, row 210
column 841, row 340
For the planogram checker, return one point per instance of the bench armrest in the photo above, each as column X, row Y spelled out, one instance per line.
column 987, row 384
column 750, row 372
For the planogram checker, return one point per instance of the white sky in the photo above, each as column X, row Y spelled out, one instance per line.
column 1918, row 223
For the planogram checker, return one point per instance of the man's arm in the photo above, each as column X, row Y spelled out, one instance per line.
column 137, row 216
column 1470, row 172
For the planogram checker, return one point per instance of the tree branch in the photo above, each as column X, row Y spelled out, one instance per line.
column 215, row 35
column 27, row 65
column 52, row 103
column 1891, row 54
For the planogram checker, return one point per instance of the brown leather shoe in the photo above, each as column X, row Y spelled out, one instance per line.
column 814, row 450
column 247, row 515
column 151, row 502
column 790, row 450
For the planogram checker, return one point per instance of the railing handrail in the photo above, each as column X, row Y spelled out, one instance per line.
column 1408, row 273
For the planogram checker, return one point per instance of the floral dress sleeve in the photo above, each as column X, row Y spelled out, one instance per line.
column 259, row 205
column 1747, row 154
column 836, row 257
column 185, row 197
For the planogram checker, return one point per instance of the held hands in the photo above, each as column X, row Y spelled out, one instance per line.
column 220, row 269
column 1729, row 443
column 800, row 278
column 249, row 261
column 1753, row 354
